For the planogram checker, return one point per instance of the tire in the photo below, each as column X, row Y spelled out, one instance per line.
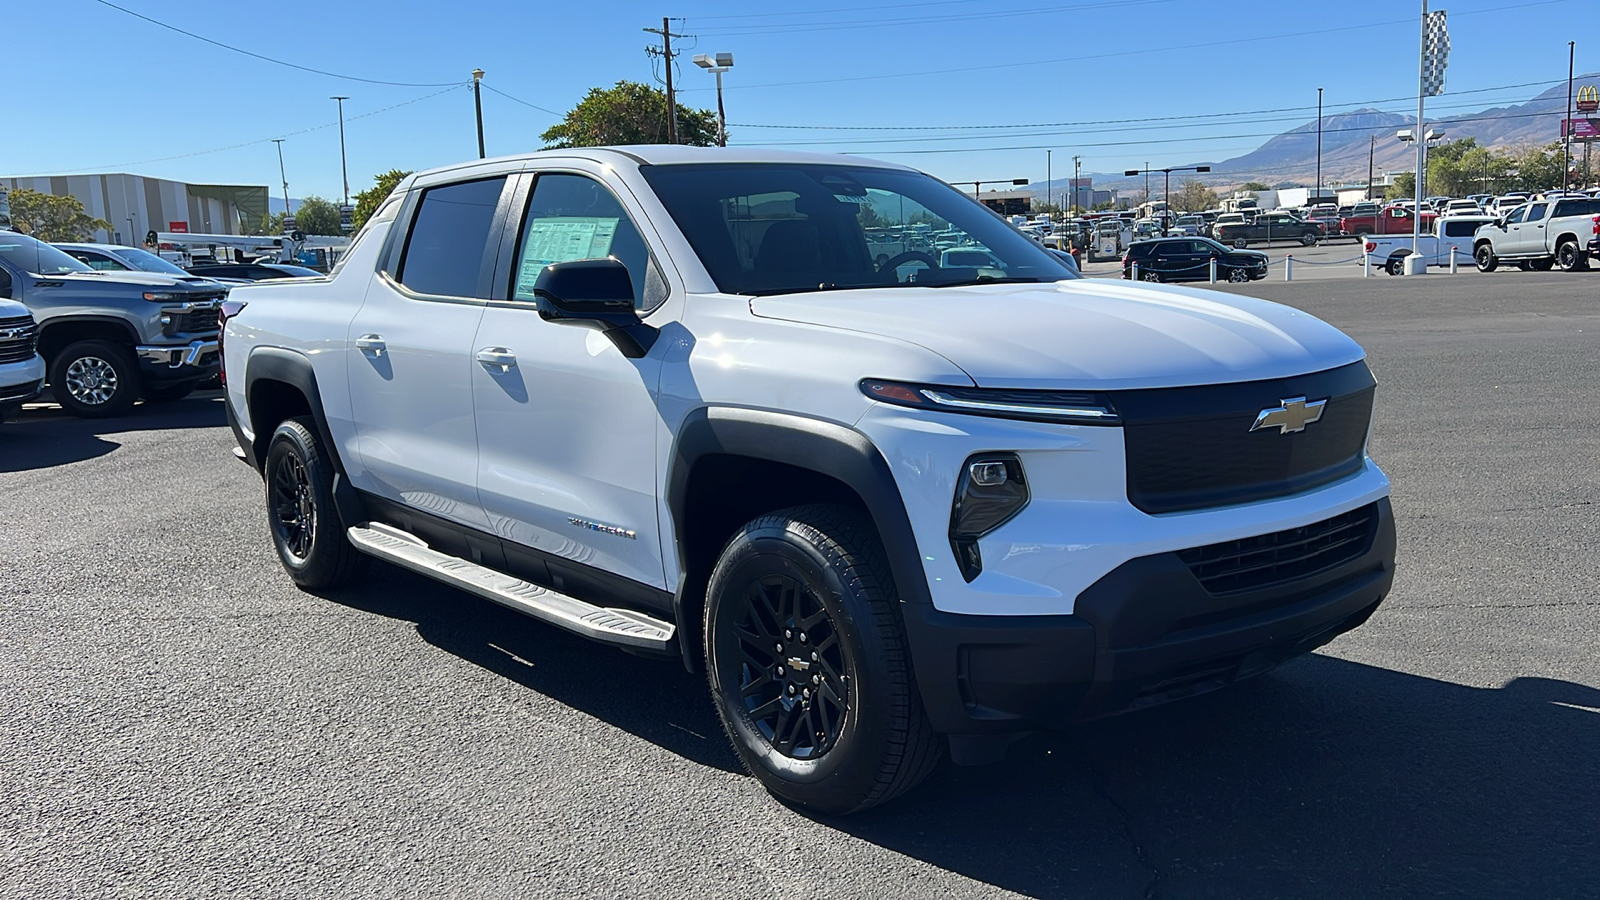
column 1485, row 259
column 1152, row 277
column 1240, row 243
column 169, row 394
column 1238, row 275
column 1308, row 240
column 1544, row 264
column 812, row 580
column 305, row 525
column 1571, row 258
column 95, row 379
column 1396, row 265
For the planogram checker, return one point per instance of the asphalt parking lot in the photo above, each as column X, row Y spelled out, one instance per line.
column 179, row 721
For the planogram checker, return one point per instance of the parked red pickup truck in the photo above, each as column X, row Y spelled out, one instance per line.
column 1390, row 220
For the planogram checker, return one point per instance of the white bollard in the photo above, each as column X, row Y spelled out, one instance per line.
column 1366, row 263
column 1452, row 259
column 1135, row 272
column 1213, row 270
column 1288, row 267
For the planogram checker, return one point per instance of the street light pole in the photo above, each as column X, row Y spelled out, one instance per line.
column 477, row 102
column 1371, row 151
column 1319, row 146
column 1047, row 175
column 1077, row 200
column 1566, row 142
column 343, row 168
column 285, row 178
column 716, row 65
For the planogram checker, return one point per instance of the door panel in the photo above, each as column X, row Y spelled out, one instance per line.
column 410, row 359
column 566, row 425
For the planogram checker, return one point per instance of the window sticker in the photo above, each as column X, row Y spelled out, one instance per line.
column 560, row 239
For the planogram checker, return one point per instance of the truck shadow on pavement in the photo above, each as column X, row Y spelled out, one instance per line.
column 44, row 436
column 1326, row 778
column 652, row 698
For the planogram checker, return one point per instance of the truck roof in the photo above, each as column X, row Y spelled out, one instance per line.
column 677, row 154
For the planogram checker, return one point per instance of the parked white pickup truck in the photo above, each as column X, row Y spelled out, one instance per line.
column 1451, row 234
column 1539, row 235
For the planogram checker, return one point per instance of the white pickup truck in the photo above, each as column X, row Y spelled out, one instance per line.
column 1539, row 235
column 1451, row 234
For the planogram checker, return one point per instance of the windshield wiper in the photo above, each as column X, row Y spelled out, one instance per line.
column 969, row 282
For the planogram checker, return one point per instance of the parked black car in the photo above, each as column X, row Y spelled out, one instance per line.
column 252, row 271
column 1269, row 227
column 1189, row 259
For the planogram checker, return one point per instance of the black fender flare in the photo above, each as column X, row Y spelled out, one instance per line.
column 57, row 323
column 294, row 369
column 824, row 447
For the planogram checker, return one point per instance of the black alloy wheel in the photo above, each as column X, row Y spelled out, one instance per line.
column 1571, row 258
column 807, row 662
column 1308, row 239
column 1150, row 276
column 1485, row 259
column 1240, row 243
column 1395, row 266
column 305, row 524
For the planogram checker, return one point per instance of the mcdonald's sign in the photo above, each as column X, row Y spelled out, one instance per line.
column 1588, row 98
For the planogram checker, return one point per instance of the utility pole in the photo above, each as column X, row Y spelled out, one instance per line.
column 343, row 168
column 1147, row 182
column 477, row 102
column 1566, row 141
column 1319, row 146
column 1077, row 206
column 1371, row 151
column 1047, row 171
column 667, row 55
column 287, row 214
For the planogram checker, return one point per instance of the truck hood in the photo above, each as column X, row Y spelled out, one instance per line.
column 144, row 279
column 1086, row 334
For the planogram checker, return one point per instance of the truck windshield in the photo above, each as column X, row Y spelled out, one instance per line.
column 37, row 257
column 145, row 261
column 775, row 228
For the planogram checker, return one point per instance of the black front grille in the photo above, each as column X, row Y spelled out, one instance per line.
column 1266, row 560
column 1192, row 447
column 19, row 336
column 195, row 321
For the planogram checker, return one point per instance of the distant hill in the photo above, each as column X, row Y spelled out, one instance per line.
column 1346, row 139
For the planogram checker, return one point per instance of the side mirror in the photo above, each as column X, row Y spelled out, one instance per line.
column 597, row 293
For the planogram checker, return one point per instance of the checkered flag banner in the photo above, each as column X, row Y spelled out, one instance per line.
column 1436, row 55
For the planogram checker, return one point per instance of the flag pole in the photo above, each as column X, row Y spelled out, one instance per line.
column 1419, row 134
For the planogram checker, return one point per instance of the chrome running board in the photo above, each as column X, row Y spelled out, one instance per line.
column 623, row 627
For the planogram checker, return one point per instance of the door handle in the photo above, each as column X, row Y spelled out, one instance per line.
column 372, row 343
column 498, row 356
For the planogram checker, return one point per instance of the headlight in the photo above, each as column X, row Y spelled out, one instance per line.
column 1035, row 406
column 162, row 296
column 992, row 490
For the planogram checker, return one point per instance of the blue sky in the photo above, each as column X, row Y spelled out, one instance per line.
column 100, row 90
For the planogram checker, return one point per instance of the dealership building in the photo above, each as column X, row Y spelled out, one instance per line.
column 136, row 205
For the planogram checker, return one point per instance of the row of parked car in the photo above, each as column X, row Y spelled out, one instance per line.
column 105, row 325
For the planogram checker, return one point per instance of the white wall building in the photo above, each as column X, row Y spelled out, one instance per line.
column 134, row 204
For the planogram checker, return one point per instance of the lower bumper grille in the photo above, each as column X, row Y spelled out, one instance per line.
column 1265, row 560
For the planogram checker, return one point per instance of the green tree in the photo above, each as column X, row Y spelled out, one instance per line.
column 317, row 215
column 50, row 218
column 1253, row 186
column 367, row 201
column 630, row 113
column 1536, row 168
column 1405, row 185
column 1192, row 196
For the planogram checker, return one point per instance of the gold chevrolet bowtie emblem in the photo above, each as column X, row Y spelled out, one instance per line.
column 1294, row 415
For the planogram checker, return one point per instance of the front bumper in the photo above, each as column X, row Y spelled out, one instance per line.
column 179, row 362
column 1146, row 633
column 21, row 381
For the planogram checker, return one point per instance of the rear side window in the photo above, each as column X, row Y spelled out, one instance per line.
column 1461, row 229
column 444, row 252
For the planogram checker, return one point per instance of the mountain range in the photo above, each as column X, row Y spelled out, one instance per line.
column 1291, row 157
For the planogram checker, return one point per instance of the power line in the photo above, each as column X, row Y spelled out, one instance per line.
column 496, row 90
column 121, row 165
column 276, row 62
column 808, row 12
column 1352, row 103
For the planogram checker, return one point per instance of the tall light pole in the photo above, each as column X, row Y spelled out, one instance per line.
column 1319, row 147
column 1047, row 175
column 716, row 65
column 344, row 170
column 1566, row 142
column 1372, row 151
column 1077, row 204
column 477, row 102
column 287, row 213
column 1166, row 197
